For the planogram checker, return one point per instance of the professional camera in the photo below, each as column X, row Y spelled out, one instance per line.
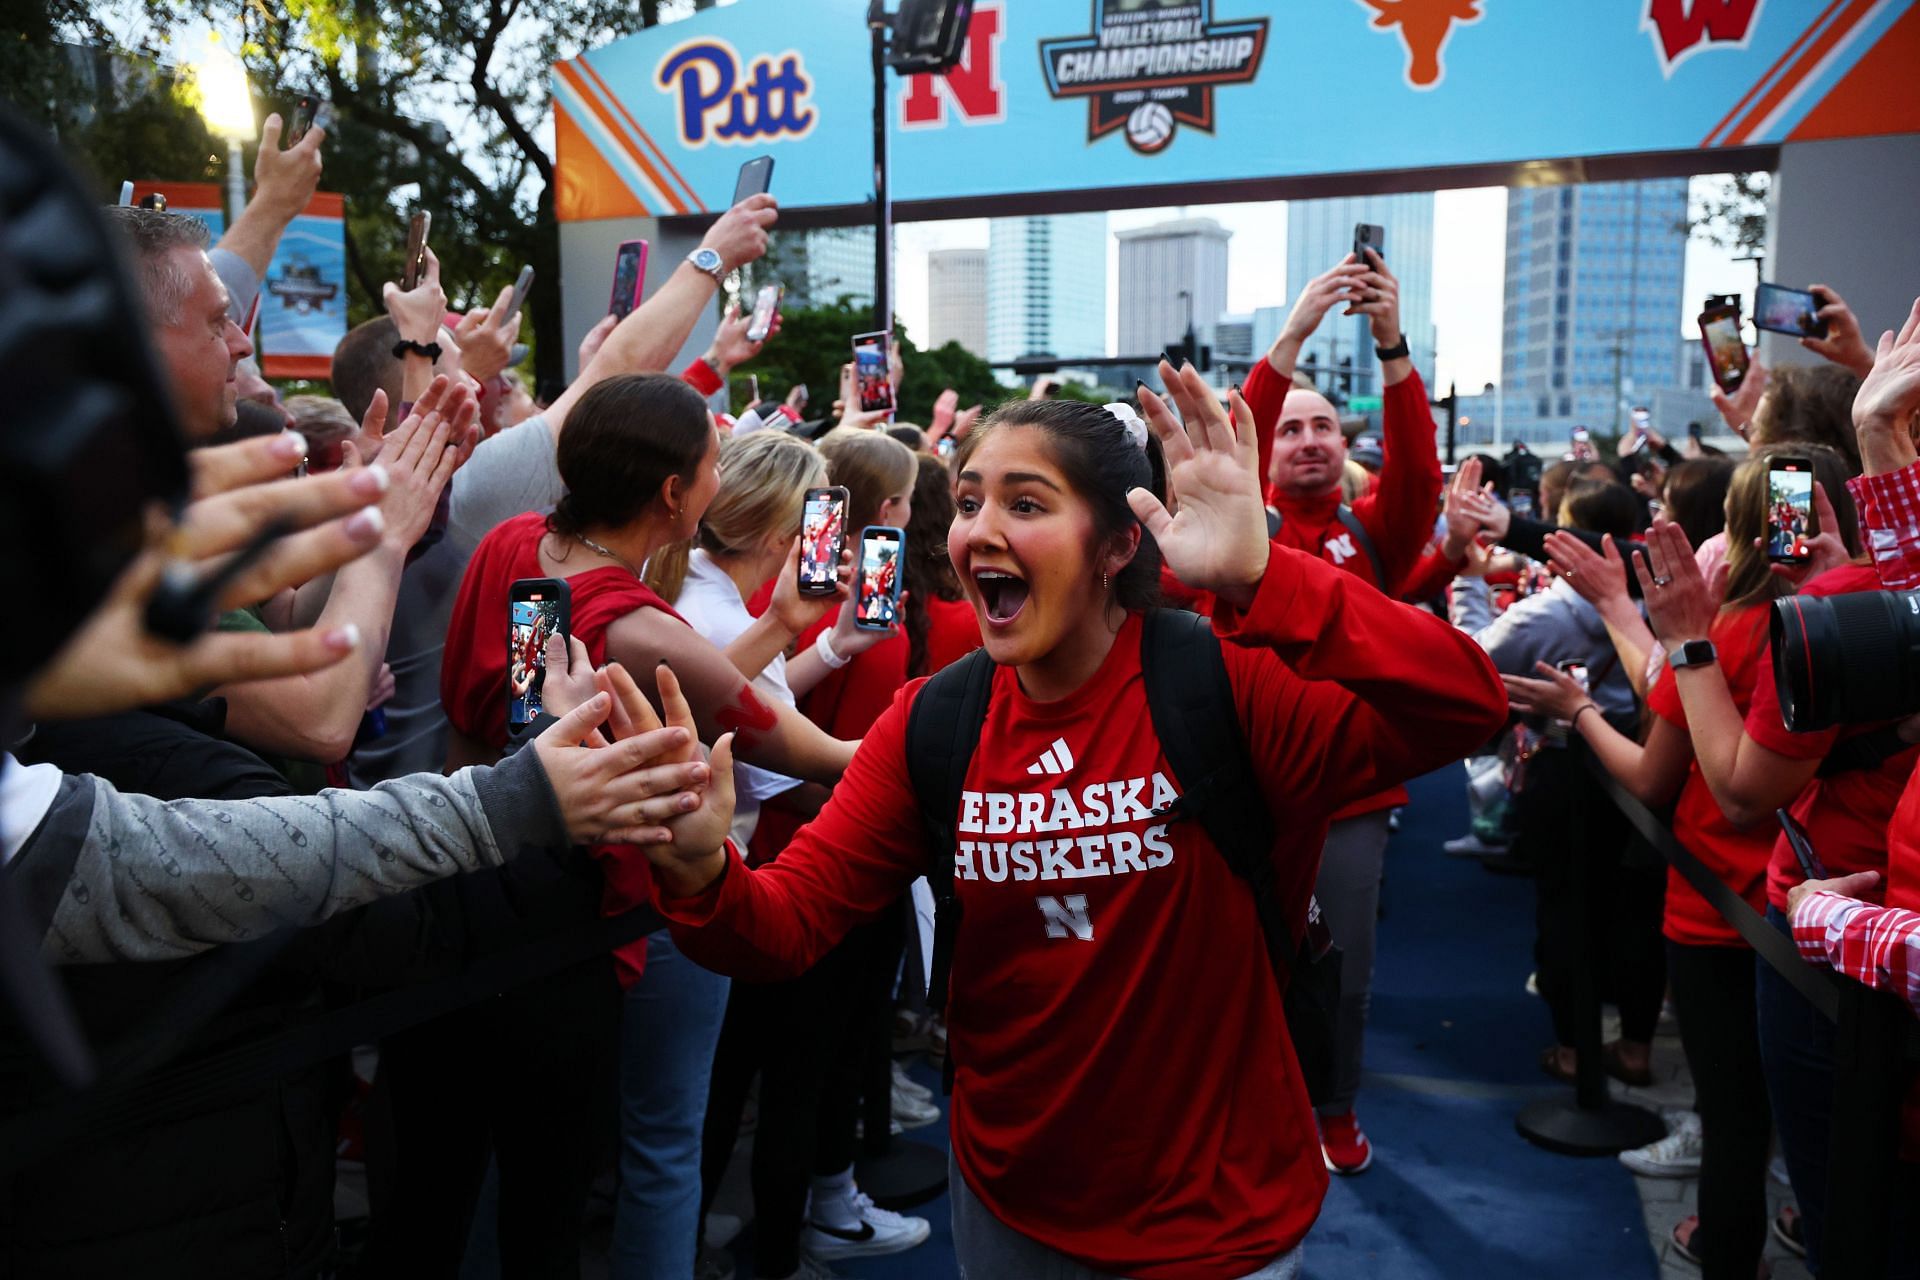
column 1846, row 659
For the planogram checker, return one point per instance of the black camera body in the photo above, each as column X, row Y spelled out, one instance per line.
column 1846, row 659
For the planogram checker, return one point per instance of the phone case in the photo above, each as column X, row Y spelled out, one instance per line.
column 823, row 539
column 877, row 606
column 529, row 624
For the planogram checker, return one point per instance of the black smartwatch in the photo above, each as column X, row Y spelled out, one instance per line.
column 1694, row 653
column 1398, row 351
column 431, row 350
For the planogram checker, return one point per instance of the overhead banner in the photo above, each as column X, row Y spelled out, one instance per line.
column 1097, row 94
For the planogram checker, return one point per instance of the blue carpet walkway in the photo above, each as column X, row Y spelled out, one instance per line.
column 1451, row 1050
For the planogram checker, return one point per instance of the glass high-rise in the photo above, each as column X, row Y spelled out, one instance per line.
column 1047, row 286
column 1593, row 297
column 1171, row 273
column 1319, row 235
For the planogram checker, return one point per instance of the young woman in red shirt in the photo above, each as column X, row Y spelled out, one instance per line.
column 1710, row 968
column 1126, row 1099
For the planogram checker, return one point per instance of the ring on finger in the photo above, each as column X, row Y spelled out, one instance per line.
column 1662, row 580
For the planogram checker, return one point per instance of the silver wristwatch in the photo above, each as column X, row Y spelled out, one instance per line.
column 708, row 260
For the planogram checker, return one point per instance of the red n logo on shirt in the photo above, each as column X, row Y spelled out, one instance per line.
column 978, row 93
column 1066, row 917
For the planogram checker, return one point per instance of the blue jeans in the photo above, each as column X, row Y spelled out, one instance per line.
column 668, row 1029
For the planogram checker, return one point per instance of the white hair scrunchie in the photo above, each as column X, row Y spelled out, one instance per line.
column 1136, row 429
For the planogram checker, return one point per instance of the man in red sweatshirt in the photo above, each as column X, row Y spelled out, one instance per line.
column 1379, row 539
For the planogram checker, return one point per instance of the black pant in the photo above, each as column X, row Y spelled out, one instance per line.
column 527, row 1077
column 804, row 1038
column 1714, row 997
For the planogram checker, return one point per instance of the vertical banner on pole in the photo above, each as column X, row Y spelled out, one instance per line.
column 303, row 300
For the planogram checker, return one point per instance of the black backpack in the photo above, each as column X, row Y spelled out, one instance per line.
column 1192, row 705
column 1350, row 521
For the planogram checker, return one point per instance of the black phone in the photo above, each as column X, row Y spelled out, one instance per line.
column 823, row 539
column 876, row 601
column 1810, row 865
column 1726, row 349
column 872, row 380
column 519, row 298
column 155, row 201
column 1369, row 235
column 1792, row 520
column 416, row 266
column 1791, row 311
column 309, row 111
column 629, row 278
column 765, row 307
column 756, row 175
column 537, row 608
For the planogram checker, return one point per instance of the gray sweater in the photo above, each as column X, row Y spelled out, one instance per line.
column 124, row 877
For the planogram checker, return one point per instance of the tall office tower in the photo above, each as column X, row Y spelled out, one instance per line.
column 1593, row 289
column 1171, row 273
column 1047, row 286
column 1320, row 234
column 819, row 267
column 957, row 299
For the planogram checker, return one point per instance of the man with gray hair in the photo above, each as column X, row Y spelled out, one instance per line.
column 188, row 317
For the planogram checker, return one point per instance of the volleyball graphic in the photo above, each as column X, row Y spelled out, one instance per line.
column 1150, row 127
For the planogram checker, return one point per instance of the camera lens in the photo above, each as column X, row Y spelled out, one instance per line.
column 1846, row 659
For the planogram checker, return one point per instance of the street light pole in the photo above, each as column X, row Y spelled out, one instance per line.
column 236, row 181
column 878, row 27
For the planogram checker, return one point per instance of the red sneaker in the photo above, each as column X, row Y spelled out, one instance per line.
column 1345, row 1149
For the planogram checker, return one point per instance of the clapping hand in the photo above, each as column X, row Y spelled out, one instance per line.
column 1598, row 577
column 1681, row 604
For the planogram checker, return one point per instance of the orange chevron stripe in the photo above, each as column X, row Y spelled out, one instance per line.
column 643, row 135
column 572, row 76
column 1876, row 95
column 1802, row 68
column 1779, row 62
column 585, row 185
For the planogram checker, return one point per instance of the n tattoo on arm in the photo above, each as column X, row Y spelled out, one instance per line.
column 747, row 718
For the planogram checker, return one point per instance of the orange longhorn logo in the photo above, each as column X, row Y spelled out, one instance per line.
column 1425, row 26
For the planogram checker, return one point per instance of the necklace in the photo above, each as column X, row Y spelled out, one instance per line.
column 608, row 552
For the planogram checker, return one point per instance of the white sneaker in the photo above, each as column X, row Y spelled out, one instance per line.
column 1471, row 846
column 910, row 1112
column 875, row 1231
column 1675, row 1156
column 904, row 1083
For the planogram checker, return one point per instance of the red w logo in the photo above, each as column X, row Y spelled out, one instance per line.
column 1681, row 28
column 975, row 87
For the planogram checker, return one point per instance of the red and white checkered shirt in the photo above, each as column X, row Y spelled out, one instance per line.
column 1889, row 507
column 1879, row 946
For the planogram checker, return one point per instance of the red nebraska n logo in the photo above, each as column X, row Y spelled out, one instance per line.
column 977, row 92
column 1682, row 28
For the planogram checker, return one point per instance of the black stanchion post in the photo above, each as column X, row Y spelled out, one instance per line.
column 1593, row 1122
column 1868, row 1073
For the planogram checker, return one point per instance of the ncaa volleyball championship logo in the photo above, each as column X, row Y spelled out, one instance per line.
column 1150, row 66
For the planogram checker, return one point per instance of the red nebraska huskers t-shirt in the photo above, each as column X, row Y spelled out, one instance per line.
column 1124, row 1091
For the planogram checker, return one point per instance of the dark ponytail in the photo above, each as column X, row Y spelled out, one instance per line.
column 1101, row 462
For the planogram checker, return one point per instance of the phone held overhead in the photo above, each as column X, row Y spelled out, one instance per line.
column 872, row 378
column 519, row 299
column 766, row 306
column 629, row 278
column 1369, row 235
column 1726, row 349
column 756, row 176
column 416, row 265
column 1795, row 312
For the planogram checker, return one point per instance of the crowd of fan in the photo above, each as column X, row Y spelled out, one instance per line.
column 337, row 757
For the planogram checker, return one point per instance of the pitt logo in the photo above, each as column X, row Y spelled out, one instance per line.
column 975, row 87
column 1682, row 28
column 735, row 104
column 1425, row 26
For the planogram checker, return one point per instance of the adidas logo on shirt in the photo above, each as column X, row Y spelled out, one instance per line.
column 1056, row 759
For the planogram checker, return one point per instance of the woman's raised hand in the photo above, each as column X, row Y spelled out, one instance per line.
column 1217, row 541
column 1598, row 577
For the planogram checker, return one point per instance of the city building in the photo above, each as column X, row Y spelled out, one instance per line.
column 1047, row 286
column 1593, row 298
column 1319, row 235
column 957, row 299
column 1233, row 340
column 820, row 267
column 1172, row 274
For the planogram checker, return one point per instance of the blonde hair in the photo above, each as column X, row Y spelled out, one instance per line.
column 764, row 478
column 1353, row 482
column 872, row 466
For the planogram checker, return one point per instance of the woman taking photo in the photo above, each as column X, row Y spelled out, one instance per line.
column 1073, row 1008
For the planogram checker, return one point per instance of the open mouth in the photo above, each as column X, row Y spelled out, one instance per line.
column 1003, row 594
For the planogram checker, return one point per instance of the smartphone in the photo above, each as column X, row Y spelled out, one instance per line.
column 823, row 539
column 126, row 194
column 765, row 307
column 1726, row 349
column 155, row 201
column 873, row 386
column 629, row 278
column 756, row 175
column 519, row 299
column 416, row 266
column 876, row 604
column 945, row 448
column 537, row 609
column 309, row 112
column 1791, row 311
column 1802, row 845
column 1791, row 520
column 1520, row 502
column 799, row 394
column 1369, row 235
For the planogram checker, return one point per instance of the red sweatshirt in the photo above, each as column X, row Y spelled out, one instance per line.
column 1397, row 514
column 1125, row 1091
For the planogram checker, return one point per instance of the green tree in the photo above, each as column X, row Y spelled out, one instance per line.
column 1732, row 213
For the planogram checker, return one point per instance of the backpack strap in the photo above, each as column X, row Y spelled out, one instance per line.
column 1194, row 714
column 942, row 731
column 1365, row 542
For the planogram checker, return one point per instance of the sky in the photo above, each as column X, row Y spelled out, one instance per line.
column 1469, row 244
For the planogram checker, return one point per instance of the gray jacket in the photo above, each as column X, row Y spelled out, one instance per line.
column 116, row 877
column 1551, row 626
